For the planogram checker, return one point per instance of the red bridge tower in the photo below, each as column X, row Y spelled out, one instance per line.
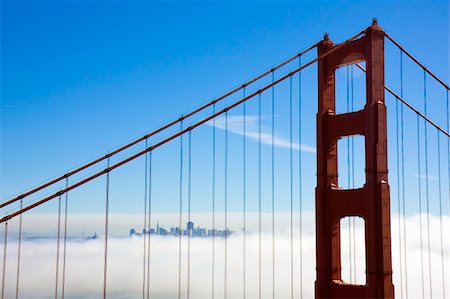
column 371, row 202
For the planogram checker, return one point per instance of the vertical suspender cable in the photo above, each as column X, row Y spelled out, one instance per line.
column 244, row 195
column 440, row 213
column 63, row 286
column 259, row 194
column 57, row 247
column 149, row 220
column 353, row 172
column 398, row 195
column 403, row 176
column 189, row 213
column 300, row 187
column 273, row 187
column 448, row 149
column 226, row 206
column 420, row 206
column 427, row 183
column 105, row 267
column 291, row 175
column 348, row 182
column 181, row 211
column 145, row 221
column 18, row 251
column 213, row 200
column 5, row 242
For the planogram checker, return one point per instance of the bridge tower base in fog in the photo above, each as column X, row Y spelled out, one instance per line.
column 371, row 202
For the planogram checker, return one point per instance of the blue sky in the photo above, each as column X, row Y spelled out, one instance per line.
column 79, row 79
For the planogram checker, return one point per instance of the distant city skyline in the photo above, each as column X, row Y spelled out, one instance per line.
column 189, row 231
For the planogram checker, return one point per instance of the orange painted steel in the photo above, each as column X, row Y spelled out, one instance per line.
column 371, row 202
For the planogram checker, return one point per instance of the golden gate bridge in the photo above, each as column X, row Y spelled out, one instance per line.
column 338, row 204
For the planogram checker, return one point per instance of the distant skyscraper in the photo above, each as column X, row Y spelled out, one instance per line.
column 190, row 225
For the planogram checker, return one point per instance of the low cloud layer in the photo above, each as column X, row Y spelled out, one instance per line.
column 84, row 276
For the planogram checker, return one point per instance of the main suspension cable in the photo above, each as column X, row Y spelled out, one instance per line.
column 176, row 135
column 445, row 132
column 168, row 125
column 105, row 267
column 425, row 69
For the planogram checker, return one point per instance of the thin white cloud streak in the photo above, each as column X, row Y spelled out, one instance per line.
column 85, row 264
column 236, row 125
column 424, row 176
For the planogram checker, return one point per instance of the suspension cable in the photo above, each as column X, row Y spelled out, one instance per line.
column 291, row 188
column 353, row 172
column 440, row 214
column 300, row 187
column 189, row 213
column 5, row 242
column 105, row 267
column 19, row 247
column 403, row 175
column 176, row 135
column 259, row 198
column 213, row 200
column 398, row 195
column 64, row 242
column 425, row 69
column 168, row 125
column 273, row 187
column 427, row 181
column 181, row 211
column 149, row 221
column 420, row 206
column 244, row 194
column 445, row 132
column 448, row 148
column 225, row 277
column 145, row 221
column 349, row 182
column 58, row 237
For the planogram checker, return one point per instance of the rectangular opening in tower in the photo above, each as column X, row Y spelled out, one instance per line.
column 350, row 88
column 353, row 250
column 351, row 162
